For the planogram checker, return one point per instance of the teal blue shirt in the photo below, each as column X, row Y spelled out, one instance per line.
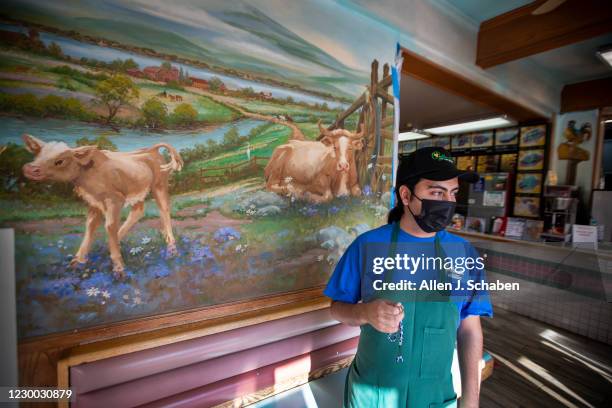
column 351, row 281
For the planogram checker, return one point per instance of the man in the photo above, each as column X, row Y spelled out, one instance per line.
column 407, row 342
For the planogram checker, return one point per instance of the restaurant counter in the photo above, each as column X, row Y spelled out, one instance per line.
column 568, row 287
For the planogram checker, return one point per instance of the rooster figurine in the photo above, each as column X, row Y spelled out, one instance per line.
column 571, row 151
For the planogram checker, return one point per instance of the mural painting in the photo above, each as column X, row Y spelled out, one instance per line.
column 160, row 157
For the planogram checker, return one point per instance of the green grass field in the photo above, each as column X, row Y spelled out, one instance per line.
column 208, row 110
column 262, row 145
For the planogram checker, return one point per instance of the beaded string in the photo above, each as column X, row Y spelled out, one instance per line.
column 399, row 335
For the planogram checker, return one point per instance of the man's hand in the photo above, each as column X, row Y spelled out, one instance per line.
column 383, row 315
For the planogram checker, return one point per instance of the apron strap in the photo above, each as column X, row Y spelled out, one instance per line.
column 439, row 253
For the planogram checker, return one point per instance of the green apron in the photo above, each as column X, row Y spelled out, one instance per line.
column 417, row 374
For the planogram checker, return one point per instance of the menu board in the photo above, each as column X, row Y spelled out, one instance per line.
column 442, row 141
column 482, row 140
column 533, row 136
column 461, row 142
column 529, row 183
column 506, row 137
column 531, row 159
column 408, row 146
column 424, row 143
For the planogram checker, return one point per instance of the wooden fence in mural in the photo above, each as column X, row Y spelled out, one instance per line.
column 215, row 174
column 374, row 162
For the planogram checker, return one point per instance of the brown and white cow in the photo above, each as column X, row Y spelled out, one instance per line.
column 107, row 181
column 316, row 170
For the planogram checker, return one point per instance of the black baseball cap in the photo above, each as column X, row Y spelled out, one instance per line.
column 432, row 163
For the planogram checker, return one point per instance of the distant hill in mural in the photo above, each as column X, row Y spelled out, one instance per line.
column 239, row 37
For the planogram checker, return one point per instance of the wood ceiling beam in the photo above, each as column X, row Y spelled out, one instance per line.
column 436, row 75
column 587, row 95
column 518, row 33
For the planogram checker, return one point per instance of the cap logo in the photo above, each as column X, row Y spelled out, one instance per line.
column 437, row 155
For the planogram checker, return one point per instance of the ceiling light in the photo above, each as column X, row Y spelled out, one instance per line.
column 491, row 123
column 605, row 54
column 412, row 135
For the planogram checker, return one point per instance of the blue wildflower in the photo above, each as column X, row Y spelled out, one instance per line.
column 201, row 253
column 225, row 234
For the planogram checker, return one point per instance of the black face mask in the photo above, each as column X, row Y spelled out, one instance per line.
column 435, row 214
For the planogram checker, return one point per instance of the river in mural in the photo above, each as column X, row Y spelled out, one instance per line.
column 235, row 235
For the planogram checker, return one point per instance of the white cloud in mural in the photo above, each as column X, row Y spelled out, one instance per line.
column 334, row 27
column 226, row 35
column 185, row 13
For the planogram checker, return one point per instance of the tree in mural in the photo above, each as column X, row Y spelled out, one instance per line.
column 184, row 114
column 154, row 113
column 116, row 92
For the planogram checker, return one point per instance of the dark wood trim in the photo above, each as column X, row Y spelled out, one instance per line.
column 518, row 33
column 436, row 75
column 587, row 95
column 166, row 320
column 600, row 131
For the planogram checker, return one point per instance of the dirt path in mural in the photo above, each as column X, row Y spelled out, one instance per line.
column 296, row 133
column 206, row 223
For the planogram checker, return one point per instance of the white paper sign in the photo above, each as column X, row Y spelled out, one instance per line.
column 515, row 227
column 494, row 198
column 585, row 235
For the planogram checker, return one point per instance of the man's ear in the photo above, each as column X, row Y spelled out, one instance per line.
column 405, row 194
column 32, row 144
column 84, row 154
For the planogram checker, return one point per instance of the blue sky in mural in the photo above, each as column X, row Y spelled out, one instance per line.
column 305, row 43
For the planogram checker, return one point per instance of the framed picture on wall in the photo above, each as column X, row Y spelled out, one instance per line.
column 482, row 139
column 526, row 206
column 507, row 162
column 461, row 142
column 530, row 183
column 531, row 159
column 533, row 136
column 442, row 141
column 506, row 137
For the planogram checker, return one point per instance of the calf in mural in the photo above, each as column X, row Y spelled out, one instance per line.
column 108, row 181
column 316, row 171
